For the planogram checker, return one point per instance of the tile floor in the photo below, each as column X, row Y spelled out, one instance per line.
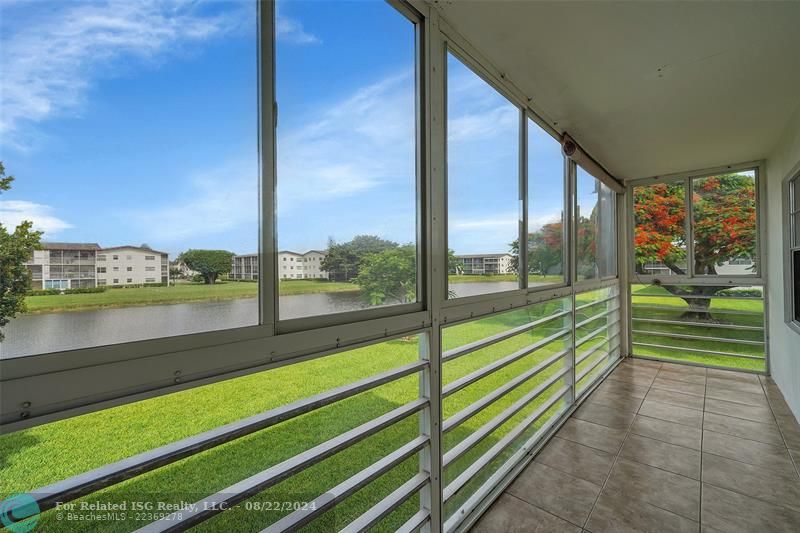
column 660, row 447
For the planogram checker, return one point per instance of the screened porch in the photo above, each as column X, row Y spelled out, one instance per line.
column 510, row 266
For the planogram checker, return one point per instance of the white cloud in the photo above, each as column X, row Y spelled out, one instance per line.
column 486, row 223
column 215, row 202
column 50, row 63
column 291, row 31
column 13, row 212
column 483, row 124
column 535, row 223
column 352, row 145
column 355, row 144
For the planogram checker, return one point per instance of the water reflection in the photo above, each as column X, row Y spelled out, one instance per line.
column 55, row 332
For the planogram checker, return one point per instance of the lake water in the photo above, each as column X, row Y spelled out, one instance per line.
column 52, row 332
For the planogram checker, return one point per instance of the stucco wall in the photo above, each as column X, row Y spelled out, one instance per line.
column 784, row 343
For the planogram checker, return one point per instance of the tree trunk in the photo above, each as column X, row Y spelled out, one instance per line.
column 699, row 307
column 698, row 298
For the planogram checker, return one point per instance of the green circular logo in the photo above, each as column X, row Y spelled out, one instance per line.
column 19, row 513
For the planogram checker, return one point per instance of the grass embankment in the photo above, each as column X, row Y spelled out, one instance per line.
column 39, row 456
column 199, row 292
column 651, row 302
column 180, row 293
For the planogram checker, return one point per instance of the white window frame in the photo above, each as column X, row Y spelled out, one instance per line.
column 791, row 243
column 758, row 278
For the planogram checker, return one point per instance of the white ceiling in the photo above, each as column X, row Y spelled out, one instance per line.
column 648, row 88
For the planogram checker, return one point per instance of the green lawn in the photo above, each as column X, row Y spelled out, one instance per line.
column 651, row 302
column 42, row 455
column 180, row 293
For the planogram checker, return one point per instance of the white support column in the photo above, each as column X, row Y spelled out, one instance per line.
column 571, row 266
column 435, row 246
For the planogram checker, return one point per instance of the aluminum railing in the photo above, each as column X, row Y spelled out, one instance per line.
column 597, row 340
column 724, row 329
column 508, row 379
column 528, row 373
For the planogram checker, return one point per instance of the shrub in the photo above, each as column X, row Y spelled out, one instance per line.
column 742, row 291
column 52, row 292
column 137, row 286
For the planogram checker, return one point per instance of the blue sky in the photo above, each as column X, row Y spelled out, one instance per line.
column 136, row 122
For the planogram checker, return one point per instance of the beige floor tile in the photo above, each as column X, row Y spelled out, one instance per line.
column 557, row 492
column 643, row 483
column 682, row 387
column 732, row 375
column 724, row 510
column 736, row 396
column 592, row 435
column 754, row 481
column 510, row 514
column 670, row 432
column 623, row 387
column 790, row 430
column 672, row 413
column 675, row 459
column 746, row 429
column 641, row 380
column 697, row 379
column 748, row 451
column 576, row 459
column 615, row 514
column 687, row 401
column 646, row 363
column 616, row 400
column 684, row 369
column 734, row 385
column 606, row 416
column 756, row 413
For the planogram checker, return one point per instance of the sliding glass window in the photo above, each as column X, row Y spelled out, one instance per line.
column 595, row 223
column 346, row 157
column 545, row 208
column 660, row 229
column 482, row 185
column 724, row 228
column 132, row 132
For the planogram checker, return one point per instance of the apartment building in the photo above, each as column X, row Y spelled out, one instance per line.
column 74, row 265
column 294, row 265
column 485, row 263
column 131, row 265
column 291, row 265
column 63, row 265
column 244, row 267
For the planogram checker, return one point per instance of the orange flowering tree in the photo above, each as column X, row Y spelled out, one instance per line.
column 724, row 227
column 546, row 247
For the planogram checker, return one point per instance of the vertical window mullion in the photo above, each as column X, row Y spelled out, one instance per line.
column 522, row 264
column 573, row 219
column 267, row 278
column 689, row 225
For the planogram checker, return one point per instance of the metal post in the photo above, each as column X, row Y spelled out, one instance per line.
column 435, row 188
column 267, row 268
